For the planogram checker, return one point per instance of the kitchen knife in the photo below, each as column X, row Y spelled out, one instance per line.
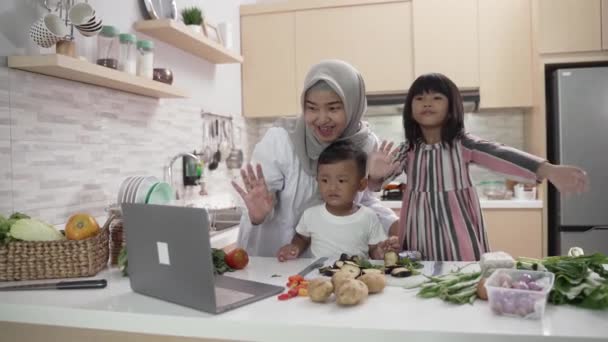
column 61, row 285
column 318, row 263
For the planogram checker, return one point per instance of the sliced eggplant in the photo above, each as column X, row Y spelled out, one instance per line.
column 351, row 263
column 343, row 257
column 355, row 270
column 328, row 271
column 389, row 269
column 371, row 271
column 356, row 259
column 338, row 264
column 391, row 258
column 401, row 272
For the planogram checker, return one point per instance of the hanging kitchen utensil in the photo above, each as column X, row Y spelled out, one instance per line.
column 217, row 155
column 235, row 158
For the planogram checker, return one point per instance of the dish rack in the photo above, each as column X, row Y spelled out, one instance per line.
column 34, row 260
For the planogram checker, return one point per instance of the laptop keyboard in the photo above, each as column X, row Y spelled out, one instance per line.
column 225, row 296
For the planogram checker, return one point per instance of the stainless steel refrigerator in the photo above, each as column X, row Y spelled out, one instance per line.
column 578, row 135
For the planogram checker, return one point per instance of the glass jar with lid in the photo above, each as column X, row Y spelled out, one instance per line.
column 145, row 58
column 107, row 47
column 127, row 61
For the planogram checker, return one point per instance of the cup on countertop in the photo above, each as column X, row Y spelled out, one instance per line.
column 82, row 15
column 48, row 30
column 523, row 192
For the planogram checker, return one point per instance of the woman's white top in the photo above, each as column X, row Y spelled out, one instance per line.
column 295, row 192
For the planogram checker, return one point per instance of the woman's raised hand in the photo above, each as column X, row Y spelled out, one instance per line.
column 257, row 198
column 381, row 161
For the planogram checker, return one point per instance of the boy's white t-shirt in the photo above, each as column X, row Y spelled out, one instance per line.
column 331, row 235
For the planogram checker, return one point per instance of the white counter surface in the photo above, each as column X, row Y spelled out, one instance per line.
column 489, row 204
column 396, row 314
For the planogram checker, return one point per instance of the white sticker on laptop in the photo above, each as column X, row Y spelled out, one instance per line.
column 163, row 253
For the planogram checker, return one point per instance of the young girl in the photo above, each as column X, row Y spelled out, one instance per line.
column 441, row 214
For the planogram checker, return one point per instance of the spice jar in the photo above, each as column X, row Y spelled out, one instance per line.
column 145, row 58
column 107, row 47
column 128, row 55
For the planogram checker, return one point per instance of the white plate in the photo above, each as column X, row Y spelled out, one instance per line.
column 123, row 189
column 133, row 190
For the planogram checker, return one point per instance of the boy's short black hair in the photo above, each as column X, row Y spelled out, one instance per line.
column 344, row 150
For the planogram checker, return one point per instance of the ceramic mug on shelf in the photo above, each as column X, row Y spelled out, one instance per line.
column 82, row 15
column 48, row 30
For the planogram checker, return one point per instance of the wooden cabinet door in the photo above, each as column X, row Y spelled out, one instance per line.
column 446, row 40
column 515, row 231
column 570, row 25
column 505, row 53
column 269, row 85
column 376, row 39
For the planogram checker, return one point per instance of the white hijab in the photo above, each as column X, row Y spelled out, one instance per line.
column 348, row 84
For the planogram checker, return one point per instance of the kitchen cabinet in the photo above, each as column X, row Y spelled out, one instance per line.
column 605, row 24
column 570, row 25
column 515, row 231
column 375, row 38
column 505, row 53
column 267, row 44
column 446, row 40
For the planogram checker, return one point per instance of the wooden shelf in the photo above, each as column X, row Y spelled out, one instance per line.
column 82, row 71
column 179, row 35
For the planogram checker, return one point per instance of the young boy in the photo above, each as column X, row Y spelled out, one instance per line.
column 339, row 225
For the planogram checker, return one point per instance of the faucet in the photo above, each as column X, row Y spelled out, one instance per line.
column 169, row 170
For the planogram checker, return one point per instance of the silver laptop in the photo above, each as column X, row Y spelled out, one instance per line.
column 170, row 259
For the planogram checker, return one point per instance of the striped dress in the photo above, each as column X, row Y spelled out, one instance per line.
column 441, row 215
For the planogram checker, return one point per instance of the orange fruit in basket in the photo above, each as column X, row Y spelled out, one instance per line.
column 81, row 226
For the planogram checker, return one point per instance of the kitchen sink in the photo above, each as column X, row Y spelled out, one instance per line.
column 222, row 219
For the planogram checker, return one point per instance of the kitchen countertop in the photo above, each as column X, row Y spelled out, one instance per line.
column 395, row 314
column 489, row 204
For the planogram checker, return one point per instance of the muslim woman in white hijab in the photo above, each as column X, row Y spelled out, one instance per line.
column 283, row 182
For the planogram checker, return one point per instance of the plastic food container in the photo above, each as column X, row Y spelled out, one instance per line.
column 519, row 293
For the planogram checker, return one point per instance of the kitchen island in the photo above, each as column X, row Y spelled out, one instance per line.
column 116, row 313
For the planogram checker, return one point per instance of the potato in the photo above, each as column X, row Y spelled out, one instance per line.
column 320, row 289
column 352, row 292
column 340, row 277
column 482, row 293
column 375, row 282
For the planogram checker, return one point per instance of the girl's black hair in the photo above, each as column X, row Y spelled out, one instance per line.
column 453, row 126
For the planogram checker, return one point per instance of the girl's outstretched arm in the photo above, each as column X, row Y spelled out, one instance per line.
column 522, row 166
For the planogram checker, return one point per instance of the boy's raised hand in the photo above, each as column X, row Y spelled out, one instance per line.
column 381, row 161
column 288, row 252
column 257, row 198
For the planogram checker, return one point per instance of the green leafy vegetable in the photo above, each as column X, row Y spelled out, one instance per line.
column 18, row 216
column 123, row 262
column 218, row 261
column 579, row 280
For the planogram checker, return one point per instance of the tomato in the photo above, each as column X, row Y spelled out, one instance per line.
column 81, row 226
column 237, row 258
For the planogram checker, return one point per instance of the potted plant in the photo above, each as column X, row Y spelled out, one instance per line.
column 193, row 18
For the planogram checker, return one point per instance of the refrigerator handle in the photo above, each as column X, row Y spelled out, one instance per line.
column 599, row 228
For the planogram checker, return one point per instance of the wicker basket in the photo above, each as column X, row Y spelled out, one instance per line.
column 29, row 260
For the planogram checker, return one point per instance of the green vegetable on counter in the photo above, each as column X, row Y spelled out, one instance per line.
column 579, row 280
column 27, row 229
column 457, row 287
column 219, row 264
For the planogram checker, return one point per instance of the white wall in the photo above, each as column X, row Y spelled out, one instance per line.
column 66, row 146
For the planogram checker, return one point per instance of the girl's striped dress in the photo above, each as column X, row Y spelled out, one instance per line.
column 441, row 215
